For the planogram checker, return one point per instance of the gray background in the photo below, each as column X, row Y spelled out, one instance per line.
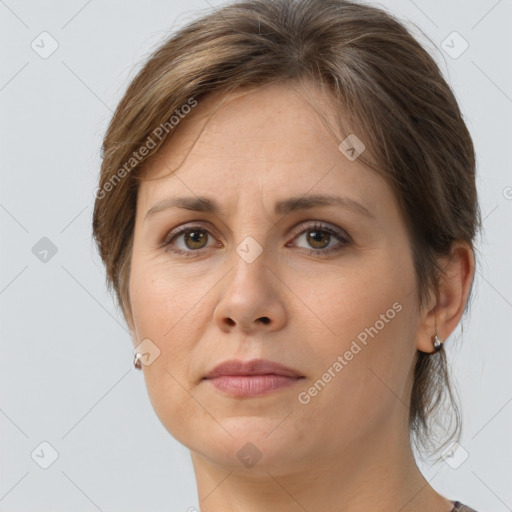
column 66, row 374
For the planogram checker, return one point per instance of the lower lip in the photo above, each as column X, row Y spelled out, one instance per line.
column 252, row 385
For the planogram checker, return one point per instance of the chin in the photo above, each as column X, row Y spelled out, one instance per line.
column 253, row 444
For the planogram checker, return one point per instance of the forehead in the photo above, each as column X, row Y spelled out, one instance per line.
column 272, row 141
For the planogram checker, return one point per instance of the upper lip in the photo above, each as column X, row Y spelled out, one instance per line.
column 252, row 367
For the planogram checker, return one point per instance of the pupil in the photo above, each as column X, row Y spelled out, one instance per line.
column 317, row 236
column 195, row 236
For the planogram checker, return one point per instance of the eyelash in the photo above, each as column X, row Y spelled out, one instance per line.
column 166, row 242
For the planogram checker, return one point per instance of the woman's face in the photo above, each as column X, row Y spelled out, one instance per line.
column 327, row 290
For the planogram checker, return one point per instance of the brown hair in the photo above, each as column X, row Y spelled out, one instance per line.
column 389, row 91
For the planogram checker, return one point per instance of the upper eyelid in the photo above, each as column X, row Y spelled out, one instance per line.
column 320, row 224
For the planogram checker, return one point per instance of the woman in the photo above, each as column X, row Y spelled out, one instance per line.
column 286, row 212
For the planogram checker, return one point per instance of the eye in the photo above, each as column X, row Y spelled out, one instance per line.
column 319, row 236
column 196, row 237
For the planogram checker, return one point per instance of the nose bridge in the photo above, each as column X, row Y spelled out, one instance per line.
column 252, row 231
column 253, row 234
column 250, row 259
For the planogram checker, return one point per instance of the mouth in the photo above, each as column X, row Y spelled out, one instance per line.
column 252, row 378
column 252, row 385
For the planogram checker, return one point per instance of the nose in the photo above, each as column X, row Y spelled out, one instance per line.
column 252, row 298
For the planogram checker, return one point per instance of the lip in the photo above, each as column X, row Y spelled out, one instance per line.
column 234, row 367
column 252, row 385
column 251, row 378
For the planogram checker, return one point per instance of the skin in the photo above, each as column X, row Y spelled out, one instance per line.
column 348, row 448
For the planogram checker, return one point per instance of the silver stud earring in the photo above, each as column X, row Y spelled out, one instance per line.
column 137, row 361
column 438, row 343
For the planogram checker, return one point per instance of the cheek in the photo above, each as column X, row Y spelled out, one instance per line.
column 162, row 296
column 367, row 318
column 162, row 308
column 358, row 302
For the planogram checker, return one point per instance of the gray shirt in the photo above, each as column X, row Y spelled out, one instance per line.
column 459, row 507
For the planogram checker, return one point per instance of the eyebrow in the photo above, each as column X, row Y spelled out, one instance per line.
column 284, row 207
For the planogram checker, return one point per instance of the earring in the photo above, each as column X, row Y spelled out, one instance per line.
column 438, row 343
column 137, row 361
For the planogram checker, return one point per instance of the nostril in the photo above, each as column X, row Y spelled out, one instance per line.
column 265, row 319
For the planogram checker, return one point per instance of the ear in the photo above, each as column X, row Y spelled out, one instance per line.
column 447, row 303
